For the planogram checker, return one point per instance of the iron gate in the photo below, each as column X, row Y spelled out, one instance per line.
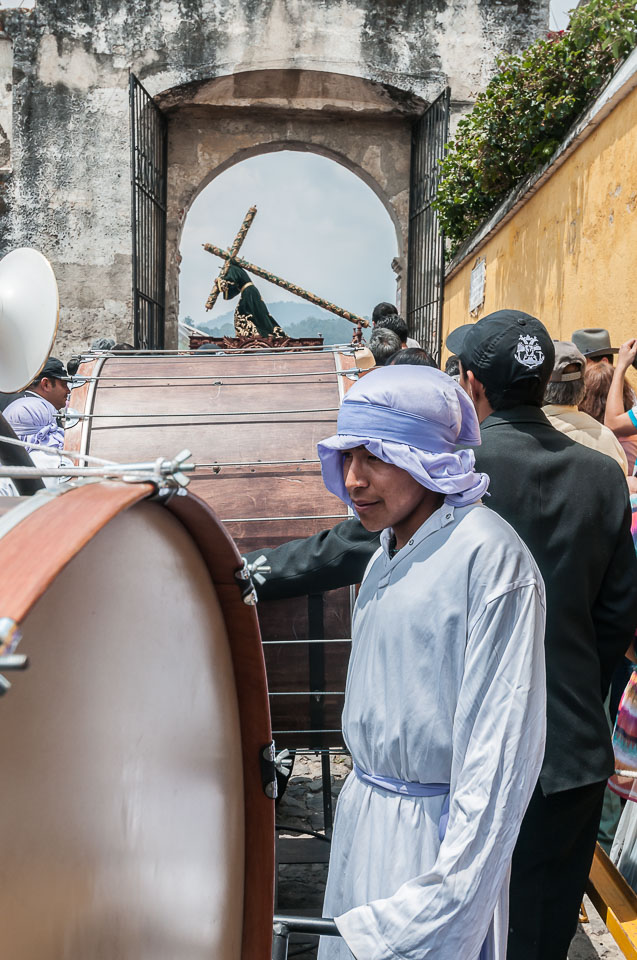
column 148, row 136
column 425, row 271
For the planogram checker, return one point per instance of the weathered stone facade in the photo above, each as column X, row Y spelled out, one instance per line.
column 237, row 77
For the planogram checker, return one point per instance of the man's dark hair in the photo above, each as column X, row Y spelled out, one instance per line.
column 415, row 356
column 527, row 393
column 384, row 344
column 396, row 323
column 40, row 377
column 452, row 367
column 382, row 310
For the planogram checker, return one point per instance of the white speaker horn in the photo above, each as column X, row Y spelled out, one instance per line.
column 29, row 314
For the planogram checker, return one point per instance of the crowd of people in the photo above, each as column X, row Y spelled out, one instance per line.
column 491, row 702
column 498, row 603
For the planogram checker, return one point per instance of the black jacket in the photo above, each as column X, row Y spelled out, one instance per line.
column 570, row 505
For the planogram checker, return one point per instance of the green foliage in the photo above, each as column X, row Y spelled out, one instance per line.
column 526, row 111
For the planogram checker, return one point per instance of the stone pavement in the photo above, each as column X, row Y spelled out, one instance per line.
column 593, row 940
column 301, row 886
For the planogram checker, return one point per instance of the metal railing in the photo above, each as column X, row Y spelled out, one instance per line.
column 148, row 138
column 426, row 269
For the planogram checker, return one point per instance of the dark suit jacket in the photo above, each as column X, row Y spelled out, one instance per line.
column 325, row 561
column 7, row 398
column 570, row 505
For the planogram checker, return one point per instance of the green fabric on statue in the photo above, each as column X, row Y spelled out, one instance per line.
column 251, row 317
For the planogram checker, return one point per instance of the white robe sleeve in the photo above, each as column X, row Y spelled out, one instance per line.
column 498, row 746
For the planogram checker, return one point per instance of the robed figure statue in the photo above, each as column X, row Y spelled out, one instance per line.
column 251, row 316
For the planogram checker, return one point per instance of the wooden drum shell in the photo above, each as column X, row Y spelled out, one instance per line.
column 243, row 409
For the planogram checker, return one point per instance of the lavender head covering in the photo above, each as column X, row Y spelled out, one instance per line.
column 414, row 418
column 33, row 420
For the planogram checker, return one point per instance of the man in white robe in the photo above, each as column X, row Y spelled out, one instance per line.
column 445, row 701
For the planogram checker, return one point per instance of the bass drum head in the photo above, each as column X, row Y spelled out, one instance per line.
column 122, row 827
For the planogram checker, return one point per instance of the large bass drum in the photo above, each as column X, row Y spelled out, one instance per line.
column 252, row 422
column 134, row 820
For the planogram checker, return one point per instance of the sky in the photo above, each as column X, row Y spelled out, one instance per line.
column 317, row 225
column 559, row 13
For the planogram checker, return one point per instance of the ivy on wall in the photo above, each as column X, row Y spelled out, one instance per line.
column 526, row 111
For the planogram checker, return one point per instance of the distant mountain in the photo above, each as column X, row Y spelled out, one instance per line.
column 297, row 319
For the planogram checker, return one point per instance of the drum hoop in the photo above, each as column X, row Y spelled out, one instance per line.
column 223, row 560
column 47, row 525
column 84, row 399
column 26, row 507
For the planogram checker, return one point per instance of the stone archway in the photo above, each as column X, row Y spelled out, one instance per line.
column 365, row 126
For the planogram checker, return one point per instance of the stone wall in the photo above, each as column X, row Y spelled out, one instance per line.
column 64, row 159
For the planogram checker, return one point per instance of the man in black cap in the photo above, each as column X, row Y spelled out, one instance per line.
column 570, row 506
column 33, row 414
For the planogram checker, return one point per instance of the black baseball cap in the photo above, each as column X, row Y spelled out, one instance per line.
column 505, row 350
column 54, row 368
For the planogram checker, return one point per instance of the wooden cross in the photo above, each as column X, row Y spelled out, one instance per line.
column 234, row 250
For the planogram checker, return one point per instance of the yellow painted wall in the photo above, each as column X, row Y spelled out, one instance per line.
column 568, row 255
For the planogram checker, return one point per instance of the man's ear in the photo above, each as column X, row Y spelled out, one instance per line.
column 476, row 390
column 478, row 395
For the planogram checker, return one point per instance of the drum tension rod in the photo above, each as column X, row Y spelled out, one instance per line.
column 10, row 637
column 245, row 577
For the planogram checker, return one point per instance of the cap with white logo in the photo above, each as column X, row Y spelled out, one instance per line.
column 505, row 349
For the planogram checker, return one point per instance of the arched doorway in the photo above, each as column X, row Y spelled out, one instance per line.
column 318, row 224
column 387, row 136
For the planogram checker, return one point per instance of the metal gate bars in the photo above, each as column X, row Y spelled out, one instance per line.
column 148, row 135
column 425, row 272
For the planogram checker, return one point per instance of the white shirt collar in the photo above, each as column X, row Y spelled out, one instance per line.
column 439, row 518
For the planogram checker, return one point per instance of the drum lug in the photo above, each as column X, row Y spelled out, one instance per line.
column 15, row 661
column 243, row 576
column 268, row 770
column 10, row 636
column 69, row 417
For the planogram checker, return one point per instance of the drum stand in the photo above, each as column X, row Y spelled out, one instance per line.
column 284, row 926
